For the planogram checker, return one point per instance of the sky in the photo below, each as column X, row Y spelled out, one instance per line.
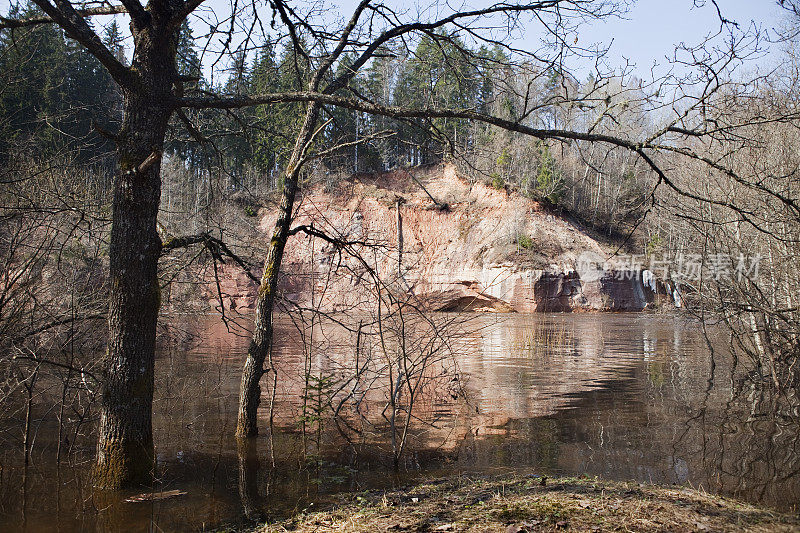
column 647, row 33
column 653, row 28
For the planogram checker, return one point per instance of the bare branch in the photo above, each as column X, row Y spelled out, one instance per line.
column 76, row 27
column 7, row 23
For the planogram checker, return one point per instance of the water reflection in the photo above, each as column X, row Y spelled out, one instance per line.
column 622, row 396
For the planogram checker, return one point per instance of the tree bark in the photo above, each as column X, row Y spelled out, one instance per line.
column 250, row 389
column 125, row 455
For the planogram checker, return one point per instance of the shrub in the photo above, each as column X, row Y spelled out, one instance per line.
column 524, row 241
column 497, row 182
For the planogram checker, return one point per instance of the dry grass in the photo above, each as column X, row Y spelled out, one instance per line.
column 517, row 504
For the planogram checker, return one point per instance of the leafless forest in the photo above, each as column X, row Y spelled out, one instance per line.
column 143, row 146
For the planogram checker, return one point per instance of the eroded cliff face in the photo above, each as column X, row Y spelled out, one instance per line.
column 452, row 244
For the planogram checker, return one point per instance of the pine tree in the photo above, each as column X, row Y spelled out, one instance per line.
column 379, row 84
column 181, row 142
column 266, row 144
column 441, row 74
column 54, row 93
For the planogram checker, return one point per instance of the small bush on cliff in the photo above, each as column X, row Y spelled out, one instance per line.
column 524, row 241
column 654, row 244
column 497, row 182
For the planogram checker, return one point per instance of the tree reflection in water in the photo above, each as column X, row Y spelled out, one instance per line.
column 617, row 395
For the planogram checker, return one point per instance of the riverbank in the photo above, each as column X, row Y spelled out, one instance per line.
column 514, row 504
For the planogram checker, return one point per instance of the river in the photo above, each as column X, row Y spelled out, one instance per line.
column 621, row 396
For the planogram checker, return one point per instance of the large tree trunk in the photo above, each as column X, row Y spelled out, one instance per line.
column 250, row 390
column 125, row 446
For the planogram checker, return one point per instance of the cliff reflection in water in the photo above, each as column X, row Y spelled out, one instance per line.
column 622, row 396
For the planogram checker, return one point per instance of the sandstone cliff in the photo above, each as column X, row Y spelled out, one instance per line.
column 451, row 243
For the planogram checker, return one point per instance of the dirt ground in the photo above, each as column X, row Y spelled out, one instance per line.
column 532, row 503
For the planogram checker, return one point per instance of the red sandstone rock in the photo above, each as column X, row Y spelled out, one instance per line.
column 488, row 250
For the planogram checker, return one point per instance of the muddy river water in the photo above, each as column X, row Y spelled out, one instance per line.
column 621, row 396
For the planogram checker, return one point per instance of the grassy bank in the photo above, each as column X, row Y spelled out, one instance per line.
column 515, row 503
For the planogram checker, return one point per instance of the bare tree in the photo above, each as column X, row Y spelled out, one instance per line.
column 154, row 92
column 713, row 69
column 51, row 300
